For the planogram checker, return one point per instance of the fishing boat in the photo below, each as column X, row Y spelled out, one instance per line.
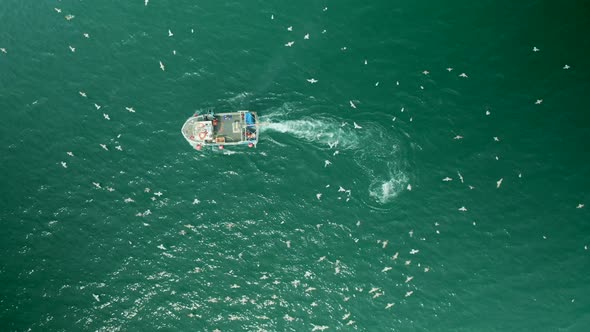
column 221, row 129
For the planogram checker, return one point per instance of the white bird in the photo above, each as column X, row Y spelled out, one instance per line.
column 196, row 201
column 538, row 102
column 57, row 10
column 63, row 163
column 462, row 209
column 162, row 66
column 341, row 189
column 104, row 147
column 463, row 75
column 389, row 305
column 373, row 290
column 146, row 2
column 356, row 126
column 408, row 279
column 290, row 28
column 174, row 52
column 324, row 31
column 118, row 147
column 447, row 179
column 336, row 152
column 69, row 17
column 460, row 177
column 170, row 34
column 96, row 184
column 96, row 297
column 414, row 251
column 409, row 187
column 345, row 317
column 306, row 36
column 499, row 183
column 289, row 44
column 488, row 113
column 325, row 8
column 566, row 67
column 426, row 72
column 312, row 80
column 580, row 206
column 377, row 84
column 394, row 257
column 130, row 109
column 272, row 17
column 326, row 163
column 158, row 194
column 70, row 154
column 3, row 50
column 535, row 49
column 449, row 69
column 97, row 106
column 385, row 269
column 402, row 109
column 319, row 328
column 318, row 195
column 86, row 35
column 496, row 139
column 409, row 293
column 128, row 200
column 352, row 104
column 458, row 137
column 396, row 82
column 82, row 93
column 366, row 62
column 73, row 49
column 106, row 116
column 333, row 145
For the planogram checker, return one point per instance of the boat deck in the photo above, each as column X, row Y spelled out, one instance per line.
column 223, row 128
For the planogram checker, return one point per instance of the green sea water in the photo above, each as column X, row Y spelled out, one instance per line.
column 149, row 234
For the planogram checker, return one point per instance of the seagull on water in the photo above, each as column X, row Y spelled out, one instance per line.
column 426, row 72
column 538, row 102
column 86, row 35
column 463, row 75
column 289, row 44
column 290, row 28
column 462, row 209
column 488, row 113
column 566, row 67
column 312, row 80
column 82, row 93
column 377, row 84
column 130, row 109
column 146, row 2
column 3, row 50
column 306, row 36
column 356, row 126
column 499, row 183
column 458, row 137
column 170, row 34
column 535, row 49
column 326, row 163
column 272, row 17
column 319, row 196
column 580, row 206
column 409, row 187
column 449, row 69
column 162, row 66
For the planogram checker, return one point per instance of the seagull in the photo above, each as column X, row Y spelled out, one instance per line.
column 385, row 269
column 162, row 66
column 488, row 113
column 69, row 17
column 336, row 152
column 146, row 2
column 96, row 297
column 3, row 50
column 326, row 163
column 332, row 145
column 447, row 179
column 409, row 293
column 97, row 106
column 409, row 187
column 352, row 104
column 158, row 194
column 499, row 183
column 408, row 279
column 170, row 34
column 130, row 109
column 96, row 184
column 402, row 110
column 290, row 28
column 82, row 93
column 104, row 147
column 458, row 137
column 566, row 67
column 86, row 35
column 306, row 36
column 345, row 317
column 106, row 116
column 272, row 17
column 118, row 147
column 57, row 10
column 535, row 49
column 289, row 44
column 377, row 84
column 64, row 164
column 449, row 69
column 341, row 189
column 463, row 75
column 325, row 8
column 496, row 139
column 70, row 154
column 366, row 62
column 414, row 251
column 318, row 195
column 324, row 31
column 174, row 52
column 539, row 101
column 460, row 176
column 462, row 209
column 394, row 257
column 356, row 126
column 580, row 206
column 73, row 49
column 196, row 201
column 389, row 305
column 373, row 290
column 312, row 80
column 128, row 200
column 426, row 72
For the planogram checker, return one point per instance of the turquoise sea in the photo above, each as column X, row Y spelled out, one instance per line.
column 433, row 178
